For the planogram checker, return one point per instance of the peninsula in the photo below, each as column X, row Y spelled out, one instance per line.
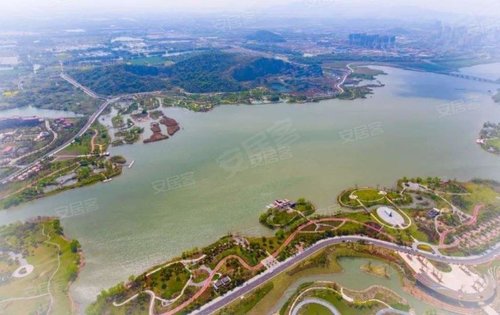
column 420, row 224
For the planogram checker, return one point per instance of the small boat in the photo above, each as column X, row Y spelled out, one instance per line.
column 131, row 164
column 107, row 180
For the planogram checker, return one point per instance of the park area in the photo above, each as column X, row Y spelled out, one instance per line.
column 368, row 197
column 52, row 264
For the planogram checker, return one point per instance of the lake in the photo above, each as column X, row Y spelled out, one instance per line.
column 217, row 174
column 488, row 71
column 351, row 277
column 34, row 111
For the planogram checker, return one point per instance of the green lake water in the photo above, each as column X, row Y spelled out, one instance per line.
column 211, row 178
column 350, row 279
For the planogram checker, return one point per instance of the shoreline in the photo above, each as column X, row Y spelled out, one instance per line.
column 288, row 254
column 173, row 130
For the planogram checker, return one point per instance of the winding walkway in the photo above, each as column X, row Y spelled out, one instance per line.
column 55, row 271
column 267, row 275
column 344, row 78
column 321, row 302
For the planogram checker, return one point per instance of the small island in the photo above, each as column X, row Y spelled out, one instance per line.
column 128, row 118
column 376, row 270
column 489, row 137
column 438, row 219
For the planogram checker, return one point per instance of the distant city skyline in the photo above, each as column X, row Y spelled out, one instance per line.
column 28, row 7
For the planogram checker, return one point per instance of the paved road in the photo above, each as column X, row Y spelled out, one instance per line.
column 333, row 310
column 258, row 280
column 75, row 83
column 87, row 125
column 54, row 139
column 391, row 311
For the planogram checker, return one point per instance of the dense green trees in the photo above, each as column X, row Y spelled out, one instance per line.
column 212, row 71
column 118, row 79
column 75, row 246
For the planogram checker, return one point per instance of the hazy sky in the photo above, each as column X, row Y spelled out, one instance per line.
column 46, row 7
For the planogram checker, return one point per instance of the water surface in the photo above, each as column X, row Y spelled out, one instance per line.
column 177, row 195
column 353, row 278
column 34, row 111
column 488, row 71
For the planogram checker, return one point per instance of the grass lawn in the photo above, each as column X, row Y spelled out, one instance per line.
column 494, row 143
column 481, row 194
column 200, row 275
column 425, row 247
column 80, row 146
column 347, row 308
column 314, row 309
column 368, row 195
column 377, row 270
column 282, row 218
column 244, row 306
column 28, row 238
column 416, row 233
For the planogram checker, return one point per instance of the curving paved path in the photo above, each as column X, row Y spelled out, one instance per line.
column 391, row 311
column 269, row 274
column 338, row 86
column 321, row 302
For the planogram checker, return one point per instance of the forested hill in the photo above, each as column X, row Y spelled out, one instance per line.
column 212, row 71
column 266, row 37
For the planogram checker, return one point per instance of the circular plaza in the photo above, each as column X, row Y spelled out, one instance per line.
column 391, row 216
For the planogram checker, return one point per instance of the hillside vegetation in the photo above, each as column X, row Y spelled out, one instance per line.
column 207, row 72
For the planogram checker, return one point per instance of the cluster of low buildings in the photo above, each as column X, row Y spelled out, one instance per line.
column 460, row 287
column 221, row 283
column 482, row 234
column 29, row 172
column 19, row 136
column 63, row 123
column 281, row 204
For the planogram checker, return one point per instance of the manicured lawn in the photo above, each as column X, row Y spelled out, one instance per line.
column 368, row 195
column 314, row 309
column 245, row 305
column 282, row 218
column 347, row 308
column 44, row 257
column 425, row 247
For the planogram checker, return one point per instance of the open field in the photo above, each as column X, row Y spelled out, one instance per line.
column 55, row 262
